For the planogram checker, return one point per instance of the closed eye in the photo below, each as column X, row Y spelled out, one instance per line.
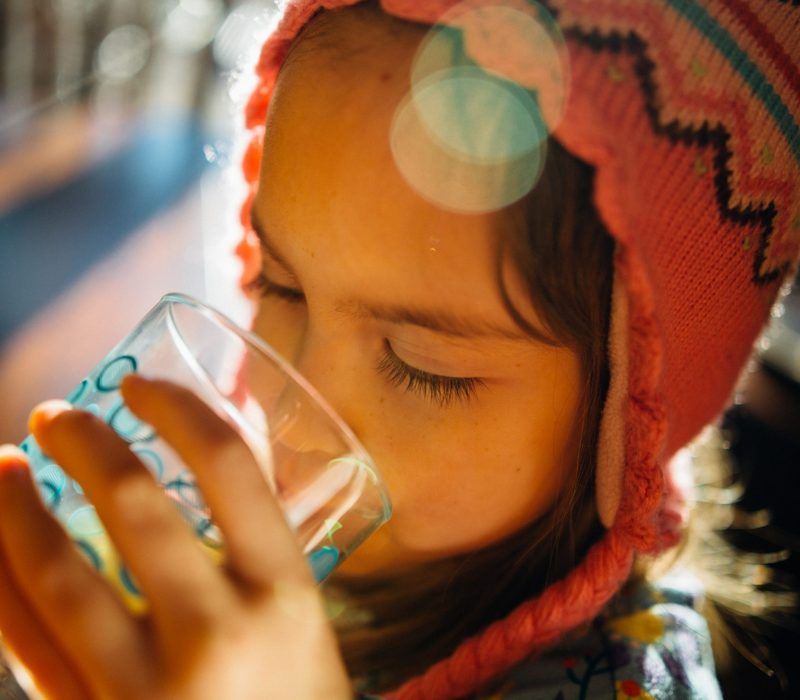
column 432, row 387
column 265, row 287
column 443, row 390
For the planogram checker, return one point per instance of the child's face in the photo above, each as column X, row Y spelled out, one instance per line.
column 355, row 235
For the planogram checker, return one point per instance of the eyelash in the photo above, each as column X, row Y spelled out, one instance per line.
column 444, row 390
column 435, row 387
column 265, row 288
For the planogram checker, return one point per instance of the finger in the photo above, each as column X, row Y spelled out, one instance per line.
column 57, row 613
column 35, row 663
column 179, row 580
column 260, row 547
column 25, row 635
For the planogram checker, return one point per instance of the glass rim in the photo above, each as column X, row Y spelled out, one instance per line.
column 261, row 346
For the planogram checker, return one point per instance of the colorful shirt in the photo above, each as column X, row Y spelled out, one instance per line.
column 649, row 643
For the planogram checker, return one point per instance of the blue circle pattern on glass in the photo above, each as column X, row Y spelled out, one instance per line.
column 111, row 375
column 91, row 555
column 51, row 480
column 49, row 477
column 127, row 581
column 31, row 448
column 184, row 489
column 85, row 522
column 186, row 497
column 152, row 461
column 78, row 391
column 323, row 561
column 128, row 426
column 109, row 379
column 209, row 533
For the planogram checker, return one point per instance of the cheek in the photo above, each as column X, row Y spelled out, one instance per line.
column 466, row 486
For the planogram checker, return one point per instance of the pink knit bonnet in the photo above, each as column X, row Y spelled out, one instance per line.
column 689, row 112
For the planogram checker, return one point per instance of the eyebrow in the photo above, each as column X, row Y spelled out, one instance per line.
column 437, row 320
column 269, row 246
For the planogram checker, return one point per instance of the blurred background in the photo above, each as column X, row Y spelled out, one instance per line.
column 117, row 120
column 116, row 127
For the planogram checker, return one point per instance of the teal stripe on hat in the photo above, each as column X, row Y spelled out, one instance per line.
column 741, row 63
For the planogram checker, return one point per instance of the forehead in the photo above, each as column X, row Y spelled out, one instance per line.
column 329, row 182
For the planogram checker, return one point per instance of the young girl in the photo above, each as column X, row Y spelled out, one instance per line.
column 524, row 250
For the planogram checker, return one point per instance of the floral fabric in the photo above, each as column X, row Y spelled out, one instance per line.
column 650, row 643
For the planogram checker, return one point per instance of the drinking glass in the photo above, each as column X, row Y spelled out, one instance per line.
column 327, row 485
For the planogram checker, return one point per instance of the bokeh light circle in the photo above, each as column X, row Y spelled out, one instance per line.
column 488, row 85
column 478, row 118
column 468, row 142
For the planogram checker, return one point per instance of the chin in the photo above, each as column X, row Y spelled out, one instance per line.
column 382, row 554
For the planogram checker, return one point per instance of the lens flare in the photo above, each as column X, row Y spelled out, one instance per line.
column 488, row 85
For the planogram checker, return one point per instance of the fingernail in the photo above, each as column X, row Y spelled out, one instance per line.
column 12, row 459
column 45, row 412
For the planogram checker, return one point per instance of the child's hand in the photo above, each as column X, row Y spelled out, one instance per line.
column 255, row 628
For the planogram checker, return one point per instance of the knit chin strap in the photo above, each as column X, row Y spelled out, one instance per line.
column 534, row 625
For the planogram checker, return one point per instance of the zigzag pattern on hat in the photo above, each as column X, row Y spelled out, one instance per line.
column 699, row 81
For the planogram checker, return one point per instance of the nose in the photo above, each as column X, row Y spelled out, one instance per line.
column 303, row 413
column 314, row 478
column 333, row 377
column 299, row 422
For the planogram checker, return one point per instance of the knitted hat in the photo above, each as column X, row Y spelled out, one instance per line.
column 689, row 111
